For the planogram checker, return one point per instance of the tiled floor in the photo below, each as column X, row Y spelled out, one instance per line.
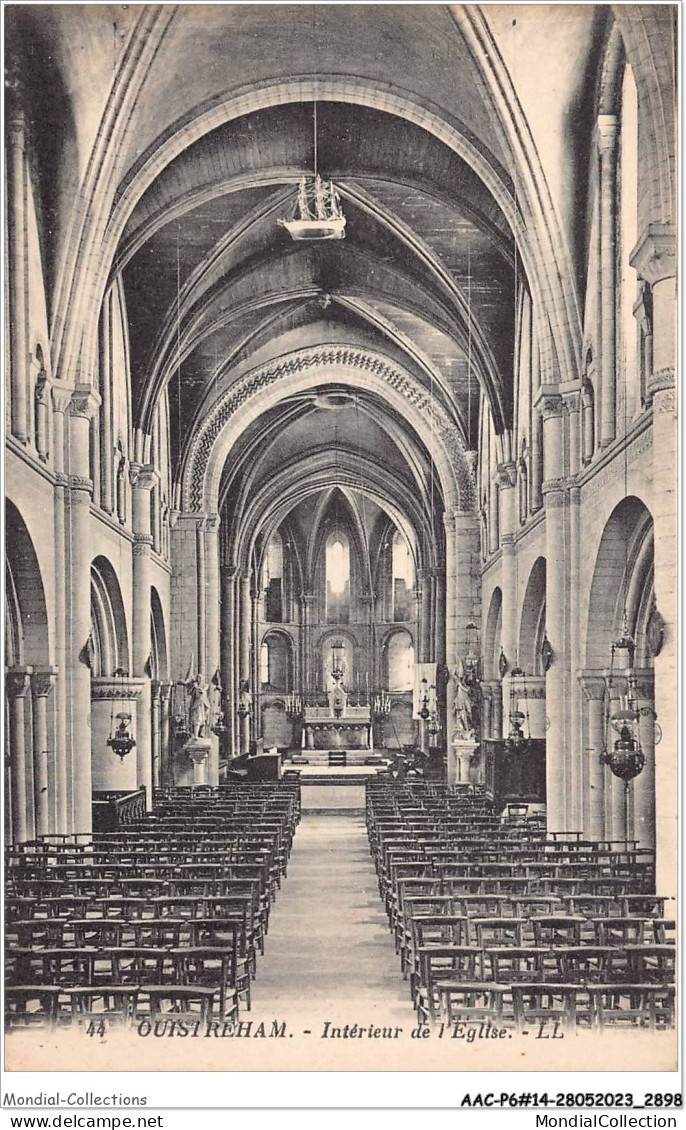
column 329, row 951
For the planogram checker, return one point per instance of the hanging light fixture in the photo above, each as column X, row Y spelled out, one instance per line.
column 121, row 741
column 519, row 735
column 337, row 661
column 424, row 711
column 317, row 213
column 625, row 758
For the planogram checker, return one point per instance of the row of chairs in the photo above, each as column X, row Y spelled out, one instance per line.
column 479, row 939
column 87, row 941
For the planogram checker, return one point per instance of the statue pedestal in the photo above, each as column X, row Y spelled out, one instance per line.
column 198, row 750
column 460, row 754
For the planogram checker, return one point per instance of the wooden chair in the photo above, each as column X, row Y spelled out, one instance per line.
column 190, row 1004
column 633, row 1006
column 213, row 967
column 651, row 963
column 101, row 933
column 498, row 932
column 224, row 933
column 471, row 1001
column 549, row 1004
column 557, row 930
column 618, row 931
column 443, row 963
column 103, row 1006
column 509, row 964
column 31, row 1006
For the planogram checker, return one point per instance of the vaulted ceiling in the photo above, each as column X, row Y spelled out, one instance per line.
column 221, row 131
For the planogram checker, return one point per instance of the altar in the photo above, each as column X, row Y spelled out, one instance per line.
column 338, row 725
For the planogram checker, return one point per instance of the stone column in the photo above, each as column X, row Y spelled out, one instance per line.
column 212, row 610
column 644, row 784
column 440, row 618
column 41, row 686
column 244, row 651
column 593, row 686
column 555, row 499
column 451, row 641
column 165, row 777
column 201, row 594
column 143, row 478
column 655, row 261
column 536, row 499
column 42, row 409
column 506, row 474
column 607, row 131
column 61, row 398
column 255, row 680
column 486, row 710
column 228, row 641
column 497, row 709
column 424, row 578
column 493, row 518
column 106, row 438
column 83, row 404
column 155, row 686
column 572, row 403
column 17, row 682
column 17, row 261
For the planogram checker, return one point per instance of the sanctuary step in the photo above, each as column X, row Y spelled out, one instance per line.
column 323, row 758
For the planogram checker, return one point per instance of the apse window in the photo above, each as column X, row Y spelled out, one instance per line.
column 272, row 580
column 403, row 578
column 337, row 581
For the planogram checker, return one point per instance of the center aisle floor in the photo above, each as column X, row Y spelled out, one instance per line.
column 329, row 953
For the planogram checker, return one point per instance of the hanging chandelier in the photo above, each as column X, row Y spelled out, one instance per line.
column 120, row 739
column 337, row 670
column 625, row 758
column 519, row 735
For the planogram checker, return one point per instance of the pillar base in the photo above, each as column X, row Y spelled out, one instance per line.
column 198, row 749
column 460, row 756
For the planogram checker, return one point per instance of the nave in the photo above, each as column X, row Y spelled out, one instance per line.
column 162, row 926
column 341, row 439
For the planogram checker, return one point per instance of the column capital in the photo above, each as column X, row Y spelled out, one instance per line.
column 142, row 476
column 549, row 402
column 643, row 679
column 229, row 570
column 663, row 380
column 449, row 521
column 84, row 402
column 654, row 256
column 213, row 523
column 142, row 544
column 43, row 680
column 17, row 681
column 607, row 128
column 506, row 475
column 554, row 494
column 593, row 684
column 61, row 396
